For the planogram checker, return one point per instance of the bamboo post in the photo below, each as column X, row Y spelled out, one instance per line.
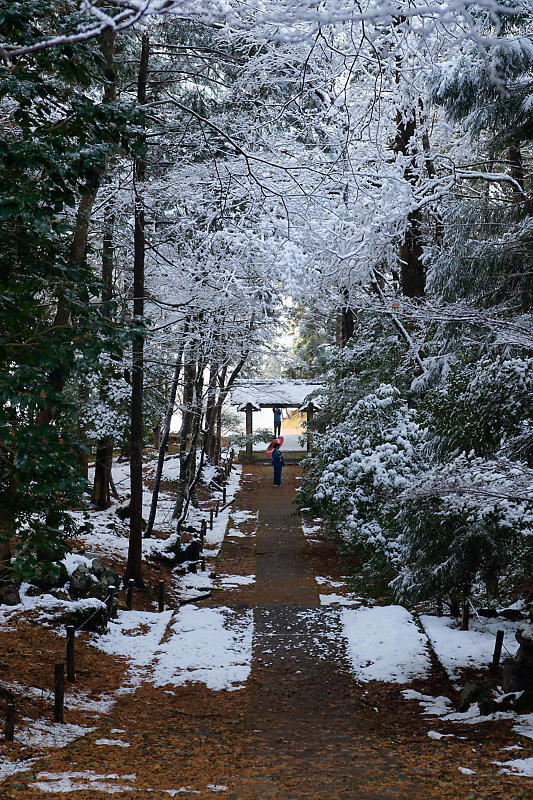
column 59, row 691
column 497, row 650
column 9, row 730
column 129, row 594
column 71, row 672
column 465, row 616
column 161, row 596
column 111, row 601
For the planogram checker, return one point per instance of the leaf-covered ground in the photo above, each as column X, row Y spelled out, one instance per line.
column 301, row 726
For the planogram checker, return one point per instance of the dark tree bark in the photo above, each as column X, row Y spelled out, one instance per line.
column 210, row 411
column 189, row 434
column 517, row 172
column 134, row 563
column 347, row 325
column 412, row 273
column 9, row 593
column 104, row 451
column 164, row 438
column 225, row 388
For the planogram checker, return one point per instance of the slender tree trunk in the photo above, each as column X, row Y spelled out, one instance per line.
column 104, row 451
column 134, row 563
column 216, row 442
column 224, row 391
column 412, row 273
column 189, row 374
column 164, row 438
column 210, row 412
column 197, row 421
column 8, row 591
column 347, row 326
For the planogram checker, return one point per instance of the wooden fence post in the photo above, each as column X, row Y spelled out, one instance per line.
column 465, row 616
column 211, row 514
column 110, row 600
column 217, row 509
column 59, row 691
column 203, row 530
column 129, row 594
column 224, row 495
column 497, row 650
column 71, row 672
column 202, row 561
column 9, row 730
column 161, row 596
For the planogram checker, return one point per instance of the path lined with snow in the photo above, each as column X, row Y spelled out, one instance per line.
column 269, row 690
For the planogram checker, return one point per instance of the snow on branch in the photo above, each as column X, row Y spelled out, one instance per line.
column 279, row 20
column 513, row 331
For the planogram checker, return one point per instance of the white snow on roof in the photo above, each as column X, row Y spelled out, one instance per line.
column 262, row 392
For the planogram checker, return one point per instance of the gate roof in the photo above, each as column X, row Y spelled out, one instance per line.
column 270, row 393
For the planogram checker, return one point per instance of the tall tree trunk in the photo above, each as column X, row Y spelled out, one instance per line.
column 210, row 411
column 189, row 377
column 164, row 438
column 517, row 172
column 224, row 391
column 191, row 469
column 347, row 325
column 78, row 249
column 412, row 273
column 104, row 450
column 134, row 563
column 8, row 591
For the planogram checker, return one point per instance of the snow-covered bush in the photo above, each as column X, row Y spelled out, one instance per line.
column 484, row 406
column 107, row 410
column 468, row 520
column 359, row 468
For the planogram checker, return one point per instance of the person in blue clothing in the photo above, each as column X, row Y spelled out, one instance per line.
column 277, row 422
column 278, row 463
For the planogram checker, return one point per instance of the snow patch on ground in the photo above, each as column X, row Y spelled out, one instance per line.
column 329, row 582
column 113, row 742
column 436, row 735
column 242, row 515
column 66, row 782
column 211, row 646
column 231, row 581
column 8, row 768
column 339, row 600
column 310, row 532
column 442, row 707
column 83, row 702
column 457, row 650
column 134, row 635
column 436, row 706
column 385, row 644
column 518, row 766
column 43, row 734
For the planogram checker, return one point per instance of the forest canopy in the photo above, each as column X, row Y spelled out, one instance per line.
column 174, row 173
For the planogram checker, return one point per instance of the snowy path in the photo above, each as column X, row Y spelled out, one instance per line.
column 304, row 723
column 282, row 686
